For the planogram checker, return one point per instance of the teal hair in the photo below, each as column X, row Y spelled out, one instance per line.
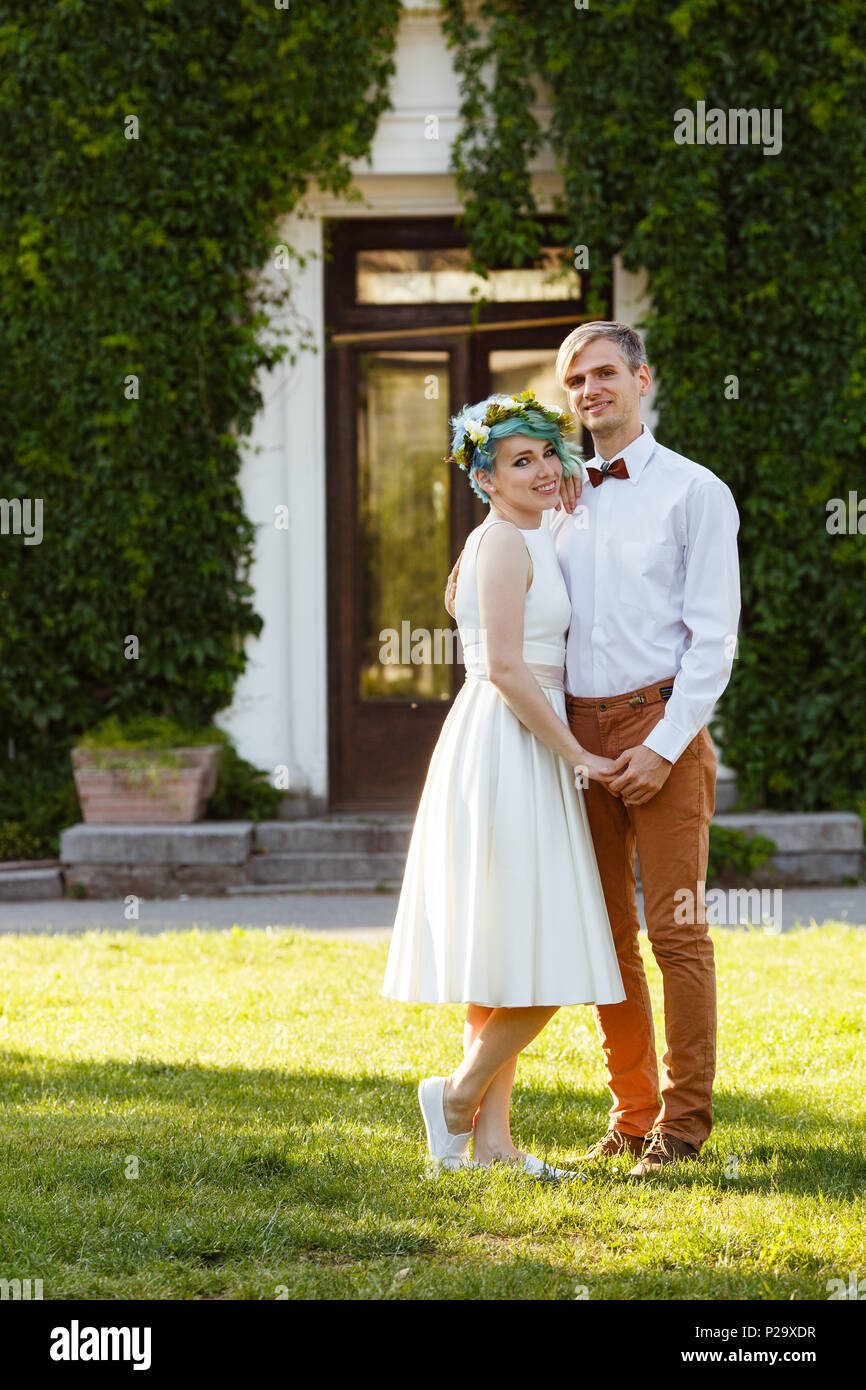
column 531, row 423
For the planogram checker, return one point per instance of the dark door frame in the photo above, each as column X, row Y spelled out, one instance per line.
column 469, row 334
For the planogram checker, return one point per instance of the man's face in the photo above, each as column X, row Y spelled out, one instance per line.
column 602, row 390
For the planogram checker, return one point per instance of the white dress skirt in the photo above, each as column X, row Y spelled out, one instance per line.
column 501, row 902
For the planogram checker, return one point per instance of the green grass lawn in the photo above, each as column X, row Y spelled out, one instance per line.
column 267, row 1093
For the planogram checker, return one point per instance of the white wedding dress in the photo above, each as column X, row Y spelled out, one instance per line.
column 501, row 902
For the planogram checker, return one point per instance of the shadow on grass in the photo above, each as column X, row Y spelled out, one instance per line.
column 269, row 1123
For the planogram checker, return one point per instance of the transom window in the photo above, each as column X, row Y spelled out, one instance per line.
column 441, row 275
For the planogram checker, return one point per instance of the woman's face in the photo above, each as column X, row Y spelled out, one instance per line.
column 526, row 475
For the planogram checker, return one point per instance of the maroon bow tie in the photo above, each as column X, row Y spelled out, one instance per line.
column 617, row 469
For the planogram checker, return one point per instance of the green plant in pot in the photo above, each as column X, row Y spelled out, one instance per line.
column 146, row 770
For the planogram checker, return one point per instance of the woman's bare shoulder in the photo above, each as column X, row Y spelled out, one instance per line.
column 502, row 550
column 502, row 537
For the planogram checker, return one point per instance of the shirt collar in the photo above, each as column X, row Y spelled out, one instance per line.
column 636, row 454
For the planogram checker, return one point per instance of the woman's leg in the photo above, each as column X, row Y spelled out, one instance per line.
column 497, row 1042
column 491, row 1128
column 476, row 1017
column 492, row 1119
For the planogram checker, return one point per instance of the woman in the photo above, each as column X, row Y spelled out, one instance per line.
column 501, row 905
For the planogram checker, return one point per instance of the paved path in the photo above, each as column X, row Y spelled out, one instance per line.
column 353, row 914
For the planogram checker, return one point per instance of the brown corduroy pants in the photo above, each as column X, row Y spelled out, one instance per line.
column 671, row 833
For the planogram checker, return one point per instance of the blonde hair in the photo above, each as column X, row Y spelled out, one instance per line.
column 627, row 340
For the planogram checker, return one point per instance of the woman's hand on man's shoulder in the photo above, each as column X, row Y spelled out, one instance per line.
column 569, row 491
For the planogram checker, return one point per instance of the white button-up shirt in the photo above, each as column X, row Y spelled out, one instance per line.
column 650, row 563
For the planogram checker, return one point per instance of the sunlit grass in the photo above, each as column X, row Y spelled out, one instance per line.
column 265, row 1095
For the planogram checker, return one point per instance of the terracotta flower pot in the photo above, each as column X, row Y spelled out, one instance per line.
column 121, row 786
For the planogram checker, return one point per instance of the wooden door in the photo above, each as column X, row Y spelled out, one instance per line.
column 398, row 514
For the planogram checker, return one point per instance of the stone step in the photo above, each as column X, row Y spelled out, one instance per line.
column 204, row 842
column 20, row 885
column 333, row 836
column 811, row 846
column 333, row 886
column 798, row 832
column 350, row 853
column 7, row 864
column 323, row 868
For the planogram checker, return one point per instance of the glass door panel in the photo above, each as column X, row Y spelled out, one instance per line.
column 526, row 369
column 403, row 523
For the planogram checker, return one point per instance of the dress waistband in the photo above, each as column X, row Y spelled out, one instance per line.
column 534, row 653
column 551, row 677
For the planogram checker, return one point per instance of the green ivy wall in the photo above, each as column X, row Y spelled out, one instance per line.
column 133, row 257
column 757, row 270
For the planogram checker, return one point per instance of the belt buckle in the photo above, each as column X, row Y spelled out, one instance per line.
column 637, row 700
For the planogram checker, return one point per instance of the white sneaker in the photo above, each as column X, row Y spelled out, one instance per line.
column 545, row 1172
column 447, row 1149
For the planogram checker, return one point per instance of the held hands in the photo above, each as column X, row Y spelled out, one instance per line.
column 593, row 769
column 638, row 774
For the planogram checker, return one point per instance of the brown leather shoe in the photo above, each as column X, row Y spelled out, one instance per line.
column 662, row 1150
column 615, row 1142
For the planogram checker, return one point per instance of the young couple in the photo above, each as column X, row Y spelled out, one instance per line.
column 597, row 638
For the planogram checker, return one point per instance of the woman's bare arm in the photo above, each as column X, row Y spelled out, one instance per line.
column 502, row 569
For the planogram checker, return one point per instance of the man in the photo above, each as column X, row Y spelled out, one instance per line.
column 650, row 561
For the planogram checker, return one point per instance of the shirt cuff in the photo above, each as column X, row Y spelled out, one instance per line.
column 667, row 740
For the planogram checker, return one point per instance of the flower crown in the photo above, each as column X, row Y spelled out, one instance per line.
column 477, row 432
